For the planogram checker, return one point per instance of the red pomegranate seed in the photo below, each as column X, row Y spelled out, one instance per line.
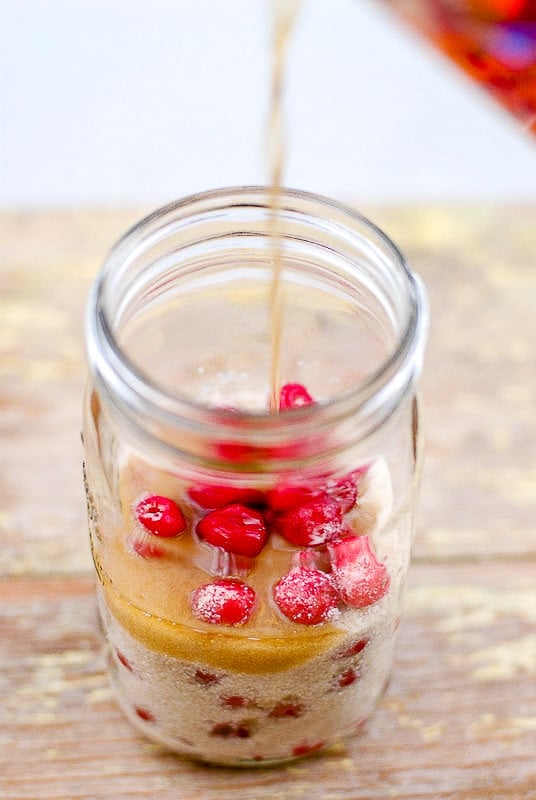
column 304, row 749
column 314, row 523
column 294, row 395
column 211, row 496
column 285, row 497
column 306, row 596
column 347, row 677
column 146, row 549
column 224, row 602
column 360, row 578
column 344, row 491
column 354, row 649
column 144, row 714
column 286, row 709
column 235, row 528
column 206, row 678
column 160, row 515
column 124, row 660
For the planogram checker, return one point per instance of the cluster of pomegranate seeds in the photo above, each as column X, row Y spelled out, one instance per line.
column 236, row 523
column 225, row 601
column 160, row 516
column 359, row 577
column 306, row 595
column 235, row 528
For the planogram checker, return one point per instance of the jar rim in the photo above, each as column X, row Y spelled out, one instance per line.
column 124, row 381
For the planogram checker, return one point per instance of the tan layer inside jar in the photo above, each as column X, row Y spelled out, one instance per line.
column 150, row 597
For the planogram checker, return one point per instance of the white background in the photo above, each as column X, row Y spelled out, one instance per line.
column 107, row 102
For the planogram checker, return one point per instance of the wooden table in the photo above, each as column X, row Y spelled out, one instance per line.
column 459, row 718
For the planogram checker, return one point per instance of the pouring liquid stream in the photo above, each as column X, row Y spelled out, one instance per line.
column 284, row 14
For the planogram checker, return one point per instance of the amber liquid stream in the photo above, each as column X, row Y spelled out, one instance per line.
column 284, row 13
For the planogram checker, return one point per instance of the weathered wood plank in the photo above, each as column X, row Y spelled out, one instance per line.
column 458, row 720
column 47, row 262
column 478, row 493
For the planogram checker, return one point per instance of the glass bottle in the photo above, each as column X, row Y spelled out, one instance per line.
column 492, row 41
column 251, row 564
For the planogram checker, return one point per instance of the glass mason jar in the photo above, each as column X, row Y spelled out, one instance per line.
column 251, row 564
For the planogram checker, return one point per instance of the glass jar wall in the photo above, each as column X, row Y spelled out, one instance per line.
column 251, row 564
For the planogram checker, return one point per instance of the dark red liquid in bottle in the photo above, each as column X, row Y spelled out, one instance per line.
column 493, row 41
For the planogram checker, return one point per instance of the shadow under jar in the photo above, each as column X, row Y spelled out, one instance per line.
column 251, row 564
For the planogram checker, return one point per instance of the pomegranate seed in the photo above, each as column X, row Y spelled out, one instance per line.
column 286, row 709
column 294, row 395
column 237, row 701
column 354, row 649
column 360, row 578
column 306, row 596
column 227, row 602
column 314, row 523
column 235, row 528
column 229, row 729
column 357, row 474
column 207, row 496
column 347, row 677
column 160, row 516
column 344, row 491
column 222, row 729
column 144, row 714
column 124, row 660
column 285, row 497
column 146, row 549
column 304, row 749
column 206, row 678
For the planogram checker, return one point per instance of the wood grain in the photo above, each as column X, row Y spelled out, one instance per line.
column 459, row 717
